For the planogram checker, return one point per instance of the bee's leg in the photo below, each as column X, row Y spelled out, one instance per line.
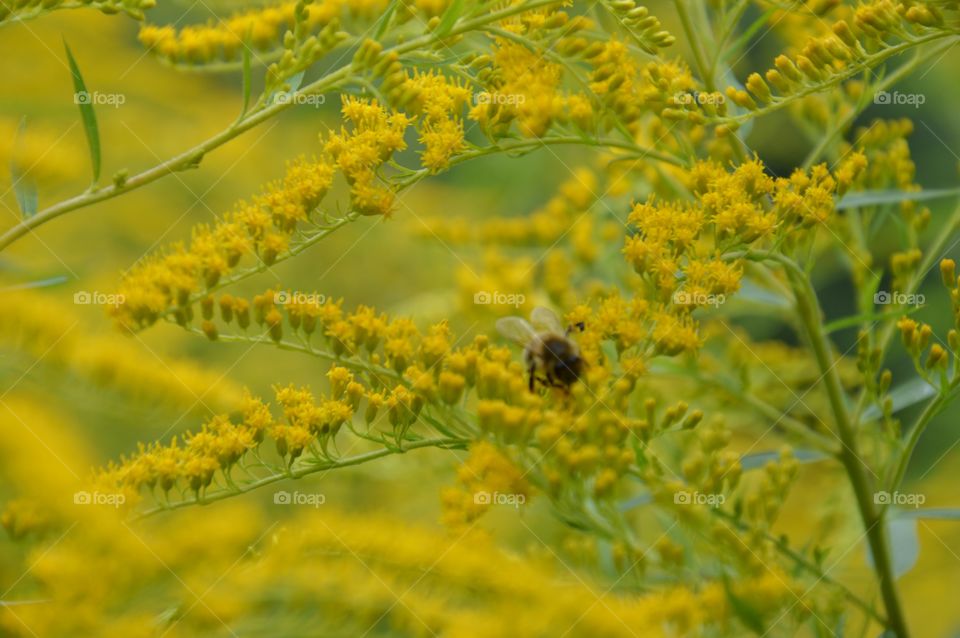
column 553, row 383
column 579, row 326
column 533, row 370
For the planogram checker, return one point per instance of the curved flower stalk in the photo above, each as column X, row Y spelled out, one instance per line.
column 289, row 217
column 261, row 30
column 876, row 32
column 12, row 11
column 300, row 54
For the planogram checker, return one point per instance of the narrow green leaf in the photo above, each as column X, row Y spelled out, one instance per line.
column 747, row 35
column 385, row 20
column 933, row 513
column 636, row 501
column 760, row 459
column 903, row 396
column 904, row 544
column 246, row 81
column 295, row 81
column 753, row 293
column 23, row 187
column 450, row 17
column 42, row 283
column 856, row 320
column 84, row 101
column 874, row 198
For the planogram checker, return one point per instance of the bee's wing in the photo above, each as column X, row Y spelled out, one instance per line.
column 546, row 320
column 516, row 329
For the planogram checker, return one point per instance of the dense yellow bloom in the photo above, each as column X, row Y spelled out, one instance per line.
column 827, row 57
column 525, row 87
column 262, row 29
column 260, row 228
column 358, row 151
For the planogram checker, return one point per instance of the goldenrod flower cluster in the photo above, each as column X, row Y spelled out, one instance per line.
column 358, row 151
column 917, row 337
column 262, row 228
column 872, row 32
column 680, row 249
column 262, row 29
column 524, row 86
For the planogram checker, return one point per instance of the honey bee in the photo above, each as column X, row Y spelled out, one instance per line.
column 547, row 346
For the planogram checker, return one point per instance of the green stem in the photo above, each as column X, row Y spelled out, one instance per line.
column 507, row 146
column 873, row 519
column 932, row 253
column 867, row 62
column 347, row 362
column 693, row 41
column 737, row 145
column 932, row 408
column 192, row 157
column 304, row 469
column 801, row 561
column 902, row 71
